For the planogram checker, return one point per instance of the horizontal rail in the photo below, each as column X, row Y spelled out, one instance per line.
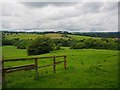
column 20, row 59
column 25, row 66
column 19, row 68
column 15, row 70
column 50, row 64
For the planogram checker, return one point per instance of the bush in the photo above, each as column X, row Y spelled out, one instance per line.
column 7, row 42
column 97, row 44
column 40, row 46
column 22, row 44
column 77, row 46
column 63, row 42
column 58, row 47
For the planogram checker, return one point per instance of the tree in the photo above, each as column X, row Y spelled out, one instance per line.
column 7, row 42
column 58, row 47
column 77, row 46
column 40, row 46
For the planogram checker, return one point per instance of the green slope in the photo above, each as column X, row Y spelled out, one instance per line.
column 86, row 68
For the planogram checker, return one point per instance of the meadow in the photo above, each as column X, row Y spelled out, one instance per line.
column 51, row 35
column 33, row 36
column 86, row 68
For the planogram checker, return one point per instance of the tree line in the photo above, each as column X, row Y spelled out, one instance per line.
column 46, row 45
column 91, row 34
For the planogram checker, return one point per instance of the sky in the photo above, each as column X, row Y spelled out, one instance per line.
column 59, row 16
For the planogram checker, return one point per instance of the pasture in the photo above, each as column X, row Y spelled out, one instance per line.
column 86, row 68
column 23, row 36
column 33, row 36
column 77, row 37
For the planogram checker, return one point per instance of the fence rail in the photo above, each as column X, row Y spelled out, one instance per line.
column 20, row 59
column 30, row 66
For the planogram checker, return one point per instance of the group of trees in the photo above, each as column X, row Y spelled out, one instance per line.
column 20, row 44
column 34, row 47
column 46, row 45
column 64, row 33
column 100, row 34
column 105, row 43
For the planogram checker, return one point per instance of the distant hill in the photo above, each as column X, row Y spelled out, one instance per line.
column 59, row 33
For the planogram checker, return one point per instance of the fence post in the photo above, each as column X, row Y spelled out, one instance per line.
column 4, row 85
column 65, row 63
column 36, row 69
column 54, row 65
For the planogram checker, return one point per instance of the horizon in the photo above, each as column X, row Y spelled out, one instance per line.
column 60, row 31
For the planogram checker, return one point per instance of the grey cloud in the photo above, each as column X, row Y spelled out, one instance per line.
column 92, row 7
column 88, row 16
column 43, row 4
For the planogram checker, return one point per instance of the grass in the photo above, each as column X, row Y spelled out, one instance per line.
column 51, row 35
column 78, row 37
column 33, row 36
column 86, row 68
column 23, row 36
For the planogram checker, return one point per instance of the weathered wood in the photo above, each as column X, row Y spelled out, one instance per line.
column 14, row 70
column 50, row 64
column 30, row 67
column 20, row 59
column 23, row 59
column 54, row 65
column 19, row 68
column 65, row 62
column 36, row 69
column 59, row 62
column 4, row 85
column 25, row 67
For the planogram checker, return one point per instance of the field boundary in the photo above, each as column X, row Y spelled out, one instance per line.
column 30, row 66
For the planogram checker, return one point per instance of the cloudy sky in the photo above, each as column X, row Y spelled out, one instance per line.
column 56, row 16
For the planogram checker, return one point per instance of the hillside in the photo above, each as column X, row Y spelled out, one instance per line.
column 86, row 68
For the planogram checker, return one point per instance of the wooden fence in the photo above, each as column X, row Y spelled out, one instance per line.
column 30, row 66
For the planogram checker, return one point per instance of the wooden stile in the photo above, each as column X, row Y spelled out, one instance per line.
column 30, row 66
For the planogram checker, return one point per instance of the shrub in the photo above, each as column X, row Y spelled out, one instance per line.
column 40, row 46
column 22, row 44
column 96, row 44
column 63, row 42
column 58, row 47
column 78, row 46
column 7, row 42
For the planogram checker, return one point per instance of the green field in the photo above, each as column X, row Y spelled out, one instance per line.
column 32, row 36
column 23, row 36
column 86, row 68
column 77, row 37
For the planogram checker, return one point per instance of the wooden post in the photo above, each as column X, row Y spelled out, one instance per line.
column 65, row 63
column 54, row 65
column 4, row 85
column 36, row 69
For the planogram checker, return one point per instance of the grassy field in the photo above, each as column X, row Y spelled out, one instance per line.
column 51, row 35
column 33, row 36
column 77, row 37
column 23, row 36
column 86, row 68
